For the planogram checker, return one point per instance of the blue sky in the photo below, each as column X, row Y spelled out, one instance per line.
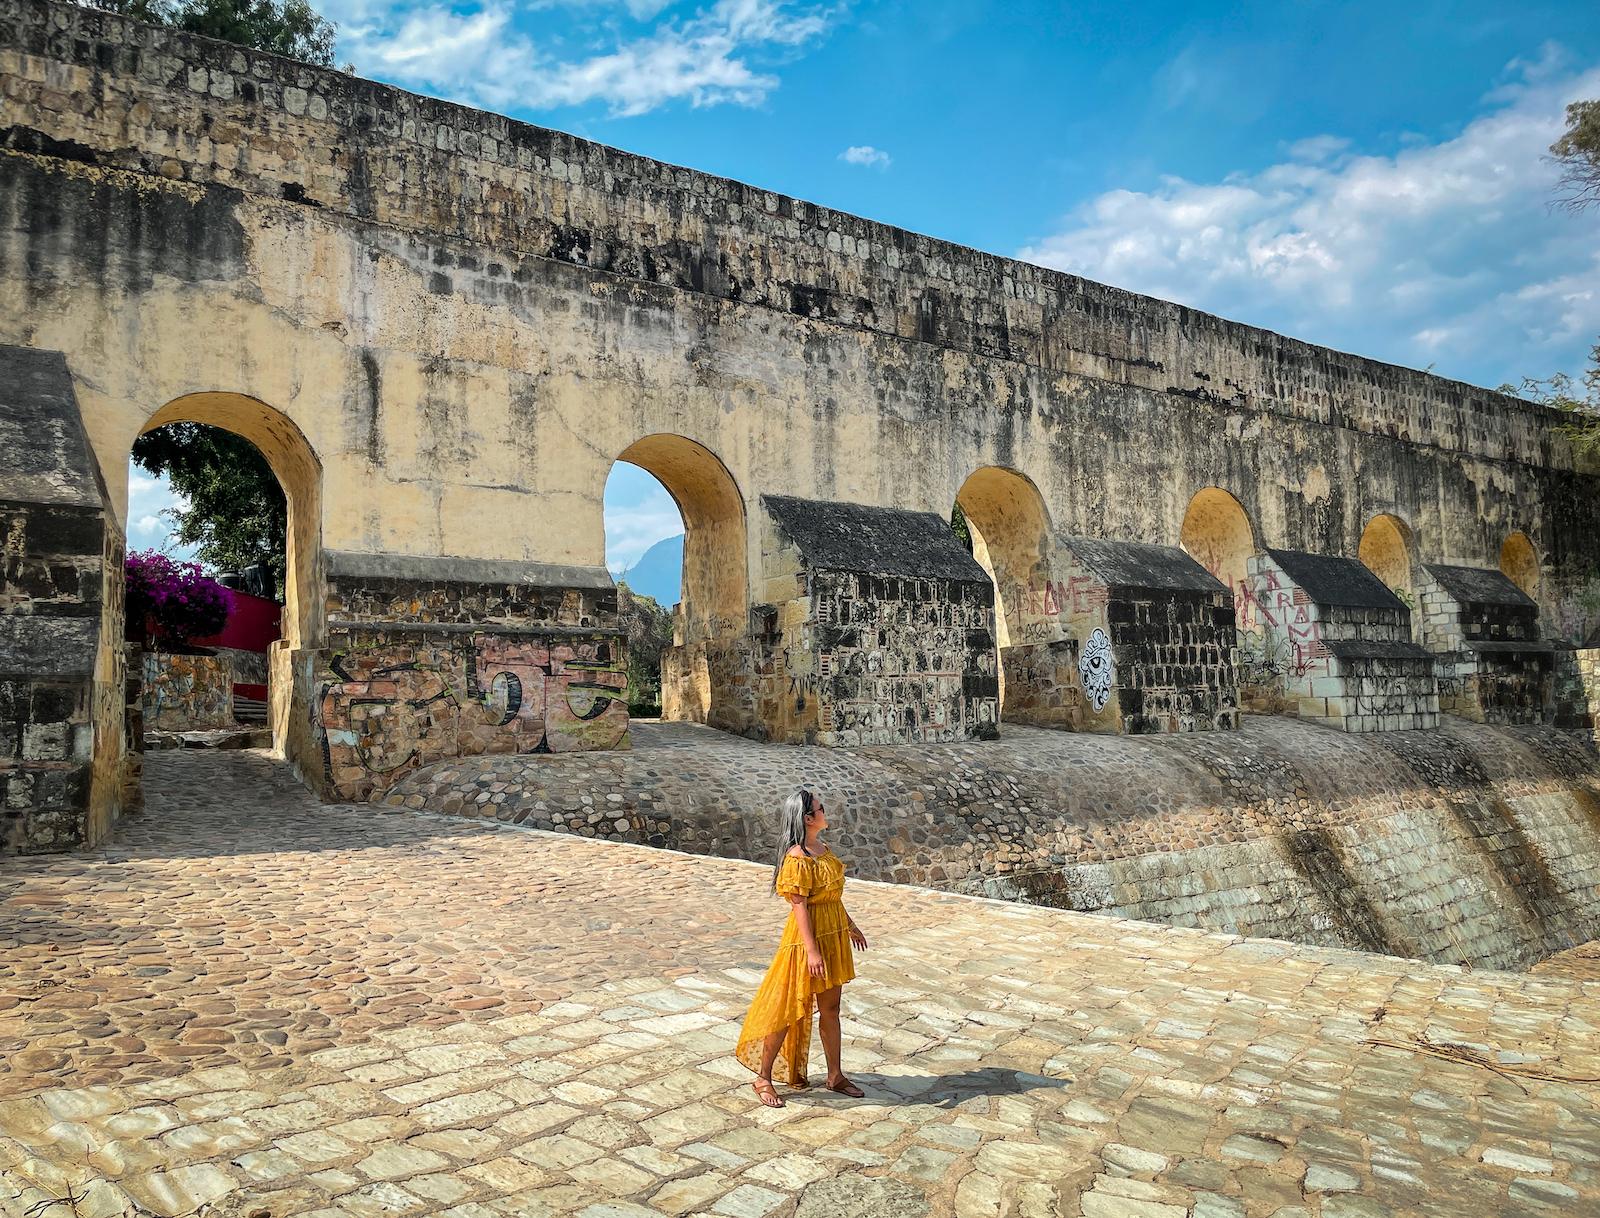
column 1363, row 175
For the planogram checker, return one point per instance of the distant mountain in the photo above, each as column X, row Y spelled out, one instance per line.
column 659, row 572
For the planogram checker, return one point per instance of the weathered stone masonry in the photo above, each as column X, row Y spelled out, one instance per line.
column 1493, row 666
column 881, row 628
column 434, row 658
column 442, row 327
column 1149, row 644
column 1341, row 646
column 1470, row 843
column 63, row 688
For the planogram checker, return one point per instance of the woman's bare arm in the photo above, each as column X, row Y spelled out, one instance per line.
column 815, row 965
column 858, row 939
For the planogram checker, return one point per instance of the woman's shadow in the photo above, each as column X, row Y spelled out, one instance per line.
column 939, row 1090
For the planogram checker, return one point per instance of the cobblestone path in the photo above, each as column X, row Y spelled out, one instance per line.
column 250, row 1003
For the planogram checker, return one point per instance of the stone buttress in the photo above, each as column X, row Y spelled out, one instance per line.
column 875, row 627
column 1484, row 632
column 63, row 694
column 1144, row 641
column 1334, row 645
column 442, row 658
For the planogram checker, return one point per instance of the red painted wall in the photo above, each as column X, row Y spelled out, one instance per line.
column 252, row 626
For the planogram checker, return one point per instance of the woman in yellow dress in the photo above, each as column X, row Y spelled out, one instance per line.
column 813, row 960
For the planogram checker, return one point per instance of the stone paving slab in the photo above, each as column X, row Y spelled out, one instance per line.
column 251, row 1003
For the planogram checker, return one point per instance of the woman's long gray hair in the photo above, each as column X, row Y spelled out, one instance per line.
column 791, row 828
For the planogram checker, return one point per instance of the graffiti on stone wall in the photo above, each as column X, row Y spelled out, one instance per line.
column 1285, row 609
column 1097, row 668
column 1575, row 616
column 389, row 708
column 1261, row 661
column 1038, row 605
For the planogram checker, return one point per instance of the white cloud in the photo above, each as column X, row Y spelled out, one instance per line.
column 148, row 498
column 865, row 154
column 481, row 56
column 1444, row 253
column 639, row 513
column 632, row 531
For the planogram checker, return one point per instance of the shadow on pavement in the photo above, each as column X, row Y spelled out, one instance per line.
column 941, row 1091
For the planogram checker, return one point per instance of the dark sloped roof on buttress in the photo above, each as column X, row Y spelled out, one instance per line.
column 1328, row 580
column 1137, row 564
column 876, row 540
column 1478, row 586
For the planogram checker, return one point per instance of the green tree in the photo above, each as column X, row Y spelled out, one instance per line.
column 649, row 628
column 958, row 526
column 284, row 27
column 1578, row 396
column 1577, row 189
column 1578, row 154
column 237, row 513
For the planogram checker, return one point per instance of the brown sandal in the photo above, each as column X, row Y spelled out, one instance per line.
column 770, row 1096
column 846, row 1087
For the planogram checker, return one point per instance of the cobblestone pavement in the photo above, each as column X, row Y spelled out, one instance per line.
column 250, row 1003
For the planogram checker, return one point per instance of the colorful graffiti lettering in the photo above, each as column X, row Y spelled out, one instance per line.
column 385, row 710
column 1053, row 597
column 1285, row 609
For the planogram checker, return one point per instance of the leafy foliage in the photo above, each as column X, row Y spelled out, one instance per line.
column 649, row 629
column 285, row 27
column 237, row 513
column 1579, row 397
column 958, row 526
column 1578, row 154
column 174, row 601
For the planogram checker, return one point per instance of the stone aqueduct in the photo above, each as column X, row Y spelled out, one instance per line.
column 443, row 327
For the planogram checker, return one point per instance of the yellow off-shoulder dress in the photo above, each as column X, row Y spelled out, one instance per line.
column 784, row 999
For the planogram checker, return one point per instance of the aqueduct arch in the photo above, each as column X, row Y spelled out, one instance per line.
column 1388, row 549
column 694, row 683
column 299, row 473
column 1217, row 534
column 469, row 350
column 1011, row 539
column 1519, row 562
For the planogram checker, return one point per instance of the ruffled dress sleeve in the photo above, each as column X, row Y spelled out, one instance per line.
column 799, row 877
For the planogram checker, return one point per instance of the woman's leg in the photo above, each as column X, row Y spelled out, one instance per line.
column 769, row 1051
column 828, row 1029
column 765, row 1091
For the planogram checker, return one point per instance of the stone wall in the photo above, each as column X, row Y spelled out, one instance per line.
column 432, row 659
column 904, row 661
column 1499, row 684
column 1484, row 630
column 877, row 627
column 1468, row 843
column 184, row 693
column 1171, row 630
column 444, row 333
column 1339, row 648
column 63, row 693
column 500, row 310
column 1178, row 656
column 1147, row 643
column 1042, row 686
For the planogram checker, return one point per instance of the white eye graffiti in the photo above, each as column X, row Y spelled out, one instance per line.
column 1097, row 668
